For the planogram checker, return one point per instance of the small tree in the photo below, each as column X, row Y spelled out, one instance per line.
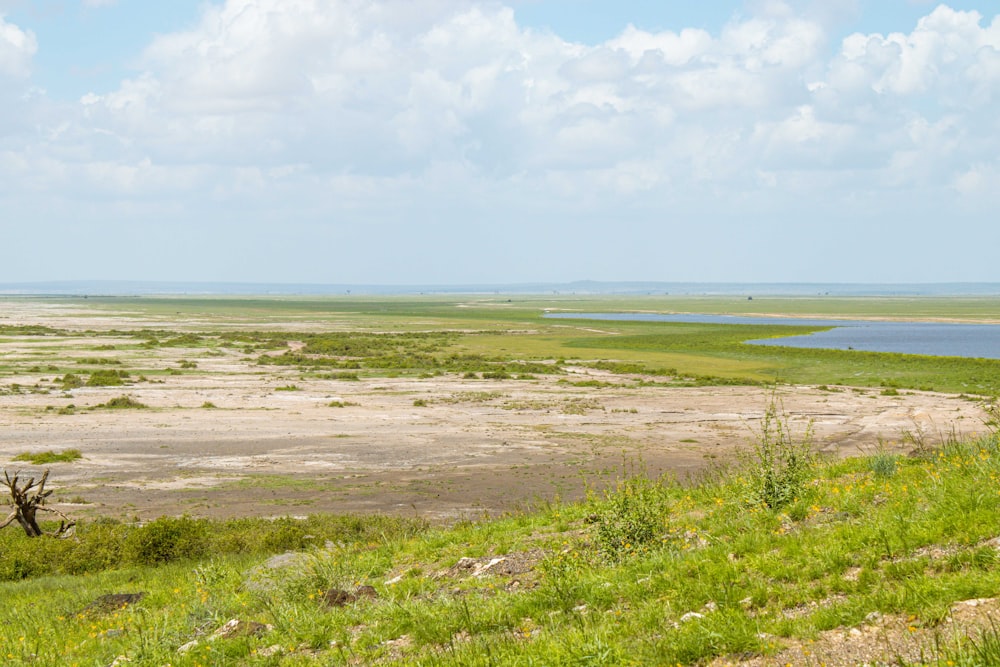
column 28, row 500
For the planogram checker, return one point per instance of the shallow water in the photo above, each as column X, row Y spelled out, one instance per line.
column 929, row 338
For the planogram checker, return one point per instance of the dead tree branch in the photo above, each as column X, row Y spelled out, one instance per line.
column 28, row 504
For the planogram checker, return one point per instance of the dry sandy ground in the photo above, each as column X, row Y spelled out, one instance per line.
column 477, row 446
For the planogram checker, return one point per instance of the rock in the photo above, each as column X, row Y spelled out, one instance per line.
column 266, row 576
column 120, row 660
column 366, row 592
column 187, row 647
column 974, row 603
column 710, row 606
column 873, row 617
column 238, row 628
column 395, row 580
column 691, row 616
column 112, row 602
column 270, row 651
column 336, row 597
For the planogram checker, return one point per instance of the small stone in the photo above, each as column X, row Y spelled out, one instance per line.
column 394, row 580
column 336, row 597
column 873, row 617
column 270, row 651
column 121, row 660
column 691, row 616
column 366, row 592
column 187, row 647
column 854, row 632
column 710, row 606
column 237, row 628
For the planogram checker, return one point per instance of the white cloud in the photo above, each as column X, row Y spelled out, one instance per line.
column 17, row 49
column 423, row 110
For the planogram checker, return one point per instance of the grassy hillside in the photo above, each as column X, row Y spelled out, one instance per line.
column 773, row 561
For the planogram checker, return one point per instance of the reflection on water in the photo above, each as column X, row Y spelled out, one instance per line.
column 931, row 338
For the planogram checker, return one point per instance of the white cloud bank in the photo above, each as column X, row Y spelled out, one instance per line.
column 351, row 115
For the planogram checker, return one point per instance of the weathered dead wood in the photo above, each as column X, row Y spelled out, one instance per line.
column 28, row 500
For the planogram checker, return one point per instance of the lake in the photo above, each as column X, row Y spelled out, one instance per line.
column 930, row 338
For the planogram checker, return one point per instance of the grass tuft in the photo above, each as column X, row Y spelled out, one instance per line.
column 47, row 457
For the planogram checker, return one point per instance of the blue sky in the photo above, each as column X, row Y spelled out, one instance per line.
column 460, row 141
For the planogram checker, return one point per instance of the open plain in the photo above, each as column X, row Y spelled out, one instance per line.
column 219, row 433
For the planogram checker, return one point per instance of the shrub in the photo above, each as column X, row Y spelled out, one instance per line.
column 123, row 403
column 631, row 519
column 107, row 379
column 167, row 539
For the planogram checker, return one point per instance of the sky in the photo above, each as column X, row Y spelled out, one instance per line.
column 483, row 142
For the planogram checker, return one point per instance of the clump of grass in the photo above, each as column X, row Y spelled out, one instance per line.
column 883, row 464
column 123, row 403
column 777, row 465
column 107, row 378
column 341, row 404
column 67, row 410
column 420, row 403
column 47, row 457
column 188, row 364
column 71, row 381
column 209, row 405
column 288, row 387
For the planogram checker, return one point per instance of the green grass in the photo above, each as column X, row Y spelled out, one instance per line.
column 123, row 403
column 606, row 581
column 47, row 457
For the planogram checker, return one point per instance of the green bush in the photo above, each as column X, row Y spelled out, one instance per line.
column 123, row 403
column 631, row 519
column 71, row 381
column 107, row 378
column 167, row 539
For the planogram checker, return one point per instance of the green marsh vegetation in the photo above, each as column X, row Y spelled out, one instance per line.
column 47, row 457
column 501, row 338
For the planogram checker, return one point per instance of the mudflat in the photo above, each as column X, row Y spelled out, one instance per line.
column 222, row 435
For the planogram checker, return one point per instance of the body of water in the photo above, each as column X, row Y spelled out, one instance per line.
column 930, row 338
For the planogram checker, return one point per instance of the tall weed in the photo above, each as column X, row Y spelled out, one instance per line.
column 777, row 464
